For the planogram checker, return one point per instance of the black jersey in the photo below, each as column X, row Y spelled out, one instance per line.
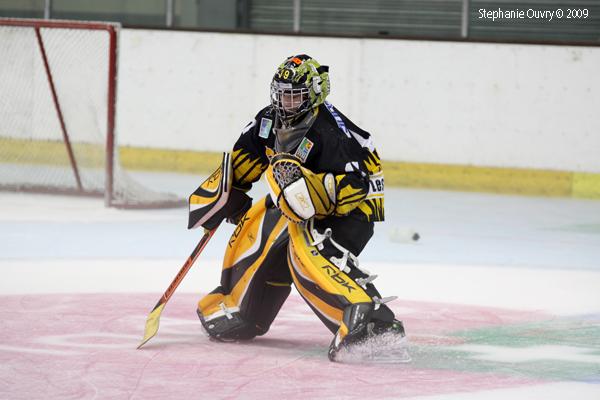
column 332, row 144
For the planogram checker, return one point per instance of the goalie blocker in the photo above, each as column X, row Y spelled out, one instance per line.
column 216, row 199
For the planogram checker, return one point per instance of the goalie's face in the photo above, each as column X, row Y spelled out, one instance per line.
column 289, row 100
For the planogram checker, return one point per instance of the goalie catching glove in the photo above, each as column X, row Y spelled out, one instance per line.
column 299, row 193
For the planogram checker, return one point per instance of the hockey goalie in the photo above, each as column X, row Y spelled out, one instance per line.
column 326, row 192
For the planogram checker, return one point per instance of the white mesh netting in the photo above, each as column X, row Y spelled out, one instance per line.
column 33, row 152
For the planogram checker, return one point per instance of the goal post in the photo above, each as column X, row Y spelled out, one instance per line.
column 57, row 113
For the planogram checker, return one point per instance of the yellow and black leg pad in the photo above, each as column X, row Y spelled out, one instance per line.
column 327, row 289
column 336, row 290
column 255, row 279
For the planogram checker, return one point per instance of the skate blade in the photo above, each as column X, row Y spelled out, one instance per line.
column 381, row 349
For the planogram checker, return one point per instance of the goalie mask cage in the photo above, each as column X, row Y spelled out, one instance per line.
column 57, row 113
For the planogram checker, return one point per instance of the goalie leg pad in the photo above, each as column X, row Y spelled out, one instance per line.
column 341, row 294
column 255, row 280
column 324, row 276
column 224, row 323
column 228, row 324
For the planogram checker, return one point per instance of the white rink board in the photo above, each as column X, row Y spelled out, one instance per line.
column 503, row 105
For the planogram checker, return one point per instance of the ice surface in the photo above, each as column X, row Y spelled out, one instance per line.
column 387, row 348
column 500, row 299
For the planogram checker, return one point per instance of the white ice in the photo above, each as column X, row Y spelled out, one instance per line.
column 514, row 252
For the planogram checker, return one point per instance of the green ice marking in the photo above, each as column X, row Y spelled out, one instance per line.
column 467, row 362
column 563, row 331
column 560, row 349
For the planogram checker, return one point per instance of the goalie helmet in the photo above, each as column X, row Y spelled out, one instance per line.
column 299, row 85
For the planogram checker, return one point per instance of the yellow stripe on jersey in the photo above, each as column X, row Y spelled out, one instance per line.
column 373, row 163
column 246, row 169
column 373, row 209
column 348, row 197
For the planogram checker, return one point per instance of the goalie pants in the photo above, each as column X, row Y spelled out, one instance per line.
column 264, row 256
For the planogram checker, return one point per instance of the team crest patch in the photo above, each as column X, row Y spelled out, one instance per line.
column 265, row 127
column 304, row 148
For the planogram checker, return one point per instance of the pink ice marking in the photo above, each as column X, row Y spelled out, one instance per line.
column 84, row 346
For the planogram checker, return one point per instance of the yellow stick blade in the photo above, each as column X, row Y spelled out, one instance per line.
column 152, row 324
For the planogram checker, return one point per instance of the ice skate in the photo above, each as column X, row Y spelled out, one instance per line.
column 380, row 343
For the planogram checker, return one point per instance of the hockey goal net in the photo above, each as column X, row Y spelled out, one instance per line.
column 58, row 82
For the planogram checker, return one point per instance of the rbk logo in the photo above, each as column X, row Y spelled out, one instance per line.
column 337, row 278
column 238, row 229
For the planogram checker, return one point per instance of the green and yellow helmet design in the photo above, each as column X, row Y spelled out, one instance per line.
column 299, row 85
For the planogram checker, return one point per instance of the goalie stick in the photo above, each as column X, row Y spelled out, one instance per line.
column 153, row 320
